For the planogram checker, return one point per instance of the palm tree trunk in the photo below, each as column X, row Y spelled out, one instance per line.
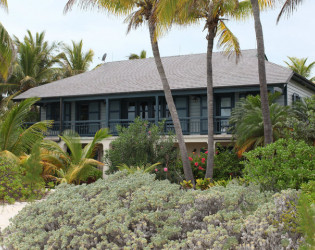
column 210, row 160
column 262, row 74
column 171, row 105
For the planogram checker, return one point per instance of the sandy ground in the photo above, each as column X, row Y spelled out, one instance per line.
column 8, row 211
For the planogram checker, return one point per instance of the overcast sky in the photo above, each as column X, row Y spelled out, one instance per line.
column 107, row 34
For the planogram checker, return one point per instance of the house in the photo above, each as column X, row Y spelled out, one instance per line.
column 118, row 92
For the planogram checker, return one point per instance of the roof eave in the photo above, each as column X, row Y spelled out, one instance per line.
column 302, row 80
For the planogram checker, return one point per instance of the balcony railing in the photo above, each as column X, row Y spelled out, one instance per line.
column 190, row 126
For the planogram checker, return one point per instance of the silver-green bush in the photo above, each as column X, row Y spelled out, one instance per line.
column 139, row 212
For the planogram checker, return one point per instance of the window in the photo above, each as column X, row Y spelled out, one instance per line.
column 225, row 106
column 295, row 98
column 53, row 111
column 67, row 114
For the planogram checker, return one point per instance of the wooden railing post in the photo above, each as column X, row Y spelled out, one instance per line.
column 61, row 116
column 156, row 110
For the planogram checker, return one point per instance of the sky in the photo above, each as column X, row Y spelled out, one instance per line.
column 103, row 33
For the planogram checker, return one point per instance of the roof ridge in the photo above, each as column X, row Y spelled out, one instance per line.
column 191, row 54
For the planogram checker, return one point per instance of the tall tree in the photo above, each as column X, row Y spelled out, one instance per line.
column 6, row 48
column 299, row 66
column 143, row 55
column 145, row 11
column 73, row 60
column 33, row 65
column 262, row 72
column 214, row 13
column 6, row 53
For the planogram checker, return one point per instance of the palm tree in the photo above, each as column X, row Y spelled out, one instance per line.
column 145, row 11
column 214, row 13
column 6, row 48
column 14, row 137
column 34, row 64
column 288, row 7
column 262, row 71
column 143, row 55
column 247, row 122
column 73, row 60
column 79, row 160
column 298, row 65
column 6, row 53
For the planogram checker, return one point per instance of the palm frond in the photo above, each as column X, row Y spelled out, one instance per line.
column 228, row 41
column 10, row 128
column 288, row 8
column 7, row 54
column 99, row 136
column 73, row 142
column 30, row 136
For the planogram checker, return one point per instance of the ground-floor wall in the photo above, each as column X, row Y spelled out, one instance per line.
column 194, row 143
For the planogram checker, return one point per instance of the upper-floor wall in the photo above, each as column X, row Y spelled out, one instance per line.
column 87, row 115
column 297, row 91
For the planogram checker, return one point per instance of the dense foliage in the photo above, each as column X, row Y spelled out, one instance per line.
column 78, row 165
column 302, row 120
column 247, row 122
column 136, row 211
column 281, row 165
column 141, row 144
column 14, row 185
column 226, row 164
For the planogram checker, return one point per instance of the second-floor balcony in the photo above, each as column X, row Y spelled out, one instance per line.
column 190, row 126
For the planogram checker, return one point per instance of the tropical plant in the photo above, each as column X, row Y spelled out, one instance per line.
column 34, row 64
column 281, row 165
column 79, row 160
column 298, row 65
column 146, row 12
column 15, row 137
column 302, row 120
column 73, row 60
column 214, row 13
column 11, row 181
column 143, row 55
column 7, row 52
column 268, row 137
column 133, row 169
column 247, row 122
column 141, row 144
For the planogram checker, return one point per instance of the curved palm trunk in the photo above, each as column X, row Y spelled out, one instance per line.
column 262, row 74
column 210, row 160
column 171, row 106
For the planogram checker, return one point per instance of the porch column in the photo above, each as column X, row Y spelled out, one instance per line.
column 61, row 116
column 107, row 113
column 156, row 110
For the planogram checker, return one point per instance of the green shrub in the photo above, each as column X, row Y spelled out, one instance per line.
column 226, row 164
column 12, row 183
column 92, row 175
column 143, row 144
column 281, row 165
column 138, row 212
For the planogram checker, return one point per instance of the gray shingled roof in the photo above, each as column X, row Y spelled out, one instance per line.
column 183, row 72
